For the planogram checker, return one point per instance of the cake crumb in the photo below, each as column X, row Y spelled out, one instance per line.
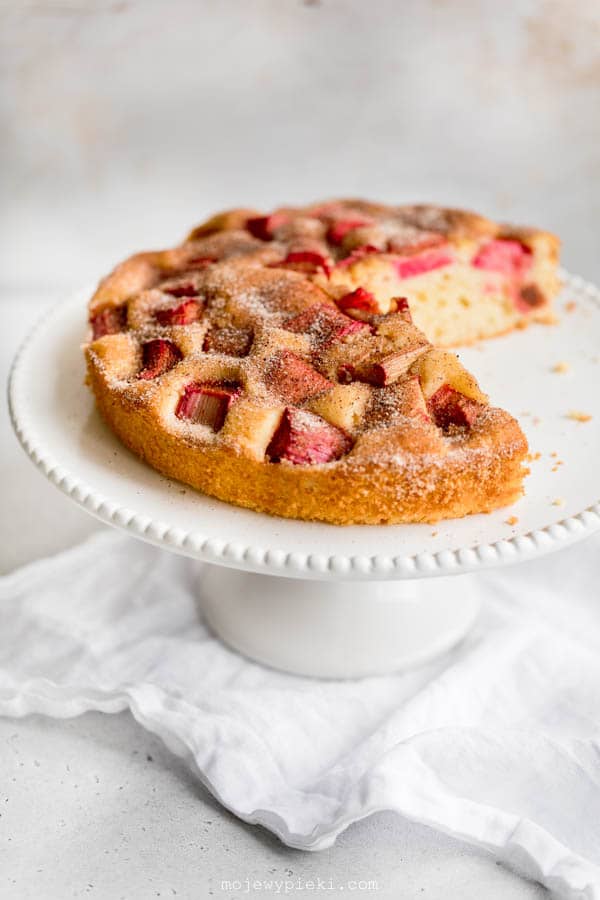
column 560, row 368
column 571, row 306
column 554, row 454
column 578, row 416
column 512, row 520
column 558, row 502
column 434, row 533
column 535, row 456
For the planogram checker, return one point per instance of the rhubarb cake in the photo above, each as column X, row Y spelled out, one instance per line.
column 294, row 363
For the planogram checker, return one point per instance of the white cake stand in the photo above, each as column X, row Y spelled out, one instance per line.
column 319, row 599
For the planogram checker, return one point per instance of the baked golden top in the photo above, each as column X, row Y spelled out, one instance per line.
column 242, row 339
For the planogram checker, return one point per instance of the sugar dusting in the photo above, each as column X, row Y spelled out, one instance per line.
column 244, row 290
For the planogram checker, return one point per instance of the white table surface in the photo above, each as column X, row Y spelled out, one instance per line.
column 96, row 806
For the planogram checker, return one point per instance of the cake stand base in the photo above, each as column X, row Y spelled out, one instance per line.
column 337, row 629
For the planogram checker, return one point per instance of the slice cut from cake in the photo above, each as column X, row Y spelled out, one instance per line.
column 463, row 276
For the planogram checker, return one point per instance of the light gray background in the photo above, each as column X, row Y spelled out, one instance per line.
column 123, row 123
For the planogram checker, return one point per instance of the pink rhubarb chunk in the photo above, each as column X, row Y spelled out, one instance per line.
column 511, row 258
column 158, row 357
column 109, row 320
column 228, row 340
column 206, row 404
column 184, row 314
column 263, row 227
column 293, row 379
column 181, row 289
column 200, row 262
column 422, row 262
column 338, row 231
column 306, row 261
column 403, row 308
column 356, row 255
column 359, row 299
column 305, row 439
column 325, row 324
column 449, row 407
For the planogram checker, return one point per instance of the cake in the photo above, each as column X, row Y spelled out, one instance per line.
column 465, row 277
column 295, row 364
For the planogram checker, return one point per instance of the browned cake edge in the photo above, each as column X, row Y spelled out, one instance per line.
column 480, row 477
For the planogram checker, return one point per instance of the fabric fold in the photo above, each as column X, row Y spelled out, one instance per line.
column 497, row 743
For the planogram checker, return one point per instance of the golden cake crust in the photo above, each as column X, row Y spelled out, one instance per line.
column 201, row 354
column 477, row 478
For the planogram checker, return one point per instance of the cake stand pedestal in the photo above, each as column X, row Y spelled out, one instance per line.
column 317, row 599
column 337, row 629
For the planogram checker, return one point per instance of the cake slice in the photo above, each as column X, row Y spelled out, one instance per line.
column 464, row 277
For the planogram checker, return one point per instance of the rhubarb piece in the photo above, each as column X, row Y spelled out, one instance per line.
column 325, row 324
column 184, row 314
column 306, row 261
column 206, row 404
column 356, row 255
column 386, row 370
column 109, row 320
column 402, row 400
column 529, row 297
column 228, row 340
column 200, row 262
column 449, row 407
column 181, row 289
column 158, row 357
column 422, row 262
column 511, row 258
column 346, row 373
column 403, row 308
column 416, row 243
column 338, row 231
column 359, row 299
column 305, row 439
column 294, row 380
column 263, row 227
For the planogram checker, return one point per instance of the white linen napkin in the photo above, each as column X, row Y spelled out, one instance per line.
column 497, row 743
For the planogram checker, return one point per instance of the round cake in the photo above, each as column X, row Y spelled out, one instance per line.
column 285, row 363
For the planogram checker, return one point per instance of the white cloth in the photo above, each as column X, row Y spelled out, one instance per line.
column 498, row 743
